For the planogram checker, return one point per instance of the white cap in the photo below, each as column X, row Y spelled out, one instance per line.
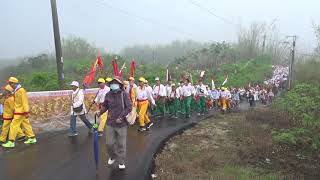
column 157, row 79
column 75, row 83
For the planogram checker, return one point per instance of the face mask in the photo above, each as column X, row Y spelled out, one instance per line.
column 114, row 86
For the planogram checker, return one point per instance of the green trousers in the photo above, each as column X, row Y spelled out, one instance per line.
column 182, row 107
column 187, row 105
column 202, row 104
column 174, row 106
column 160, row 110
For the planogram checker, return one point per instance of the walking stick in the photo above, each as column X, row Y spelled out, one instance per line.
column 93, row 102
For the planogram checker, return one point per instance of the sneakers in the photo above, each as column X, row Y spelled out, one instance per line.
column 100, row 134
column 72, row 134
column 122, row 167
column 149, row 125
column 9, row 144
column 90, row 131
column 23, row 138
column 110, row 161
column 31, row 141
column 141, row 129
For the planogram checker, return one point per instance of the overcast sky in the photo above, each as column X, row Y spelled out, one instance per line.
column 26, row 25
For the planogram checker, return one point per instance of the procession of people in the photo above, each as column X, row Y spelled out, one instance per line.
column 118, row 100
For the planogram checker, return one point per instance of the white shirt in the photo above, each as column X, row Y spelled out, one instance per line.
column 180, row 90
column 144, row 94
column 175, row 94
column 218, row 95
column 78, row 99
column 187, row 90
column 159, row 92
column 129, row 87
column 101, row 94
column 168, row 90
column 201, row 90
column 229, row 96
column 224, row 94
column 149, row 88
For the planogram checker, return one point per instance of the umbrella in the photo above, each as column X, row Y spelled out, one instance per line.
column 95, row 142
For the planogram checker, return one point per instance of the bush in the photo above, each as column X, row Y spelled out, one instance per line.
column 302, row 104
column 42, row 81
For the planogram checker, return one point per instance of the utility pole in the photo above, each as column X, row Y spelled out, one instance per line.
column 291, row 68
column 264, row 43
column 57, row 43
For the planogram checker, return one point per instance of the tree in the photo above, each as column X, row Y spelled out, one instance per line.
column 317, row 33
column 76, row 47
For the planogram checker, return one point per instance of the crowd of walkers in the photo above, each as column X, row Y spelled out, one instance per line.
column 118, row 100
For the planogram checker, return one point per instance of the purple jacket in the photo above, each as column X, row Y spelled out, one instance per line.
column 113, row 103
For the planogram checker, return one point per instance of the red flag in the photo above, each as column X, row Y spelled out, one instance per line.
column 132, row 68
column 89, row 78
column 99, row 62
column 116, row 71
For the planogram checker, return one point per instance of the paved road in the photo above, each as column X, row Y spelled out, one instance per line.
column 58, row 157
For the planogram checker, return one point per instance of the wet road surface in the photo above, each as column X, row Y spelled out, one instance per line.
column 59, row 157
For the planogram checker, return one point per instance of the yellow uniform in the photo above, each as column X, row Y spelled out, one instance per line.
column 142, row 97
column 20, row 118
column 8, row 110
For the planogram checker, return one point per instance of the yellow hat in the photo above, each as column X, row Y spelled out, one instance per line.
column 109, row 79
column 146, row 81
column 142, row 79
column 131, row 78
column 13, row 80
column 173, row 84
column 101, row 80
column 126, row 82
column 8, row 88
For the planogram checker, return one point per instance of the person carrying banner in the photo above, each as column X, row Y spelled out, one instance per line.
column 201, row 93
column 103, row 90
column 8, row 110
column 181, row 106
column 143, row 97
column 159, row 94
column 186, row 96
column 21, row 115
column 168, row 92
column 174, row 101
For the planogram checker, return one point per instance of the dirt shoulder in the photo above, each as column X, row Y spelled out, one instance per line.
column 233, row 146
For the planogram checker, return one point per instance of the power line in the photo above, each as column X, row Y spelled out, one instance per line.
column 211, row 12
column 144, row 19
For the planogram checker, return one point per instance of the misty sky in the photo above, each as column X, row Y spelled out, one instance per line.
column 26, row 25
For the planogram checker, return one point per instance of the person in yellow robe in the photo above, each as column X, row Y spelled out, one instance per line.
column 20, row 116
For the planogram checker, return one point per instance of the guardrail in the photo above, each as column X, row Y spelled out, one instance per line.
column 50, row 110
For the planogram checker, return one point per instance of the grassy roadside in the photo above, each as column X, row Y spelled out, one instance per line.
column 234, row 146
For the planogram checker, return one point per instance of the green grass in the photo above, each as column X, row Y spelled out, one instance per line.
column 241, row 173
